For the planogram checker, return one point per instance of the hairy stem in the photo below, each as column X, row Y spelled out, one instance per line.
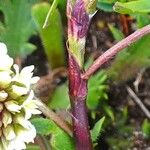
column 115, row 49
column 55, row 117
column 43, row 143
column 78, row 93
column 79, row 13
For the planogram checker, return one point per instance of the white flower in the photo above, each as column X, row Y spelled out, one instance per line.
column 5, row 79
column 6, row 61
column 25, row 76
column 17, row 104
column 30, row 106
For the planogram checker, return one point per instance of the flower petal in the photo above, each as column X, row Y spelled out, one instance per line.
column 9, row 132
column 12, row 106
column 3, row 96
column 5, row 79
column 6, row 118
column 18, row 91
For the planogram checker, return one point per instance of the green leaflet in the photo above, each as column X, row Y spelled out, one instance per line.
column 105, row 6
column 59, row 140
column 18, row 26
column 142, row 20
column 95, row 132
column 96, row 90
column 137, row 6
column 43, row 126
column 51, row 35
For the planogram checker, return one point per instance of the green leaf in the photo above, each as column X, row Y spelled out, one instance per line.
column 95, row 132
column 146, row 128
column 137, row 6
column 107, row 1
column 96, row 90
column 51, row 35
column 105, row 6
column 142, row 20
column 109, row 111
column 59, row 139
column 43, row 126
column 18, row 26
column 117, row 34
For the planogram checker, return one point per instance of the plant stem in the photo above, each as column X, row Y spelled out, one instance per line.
column 78, row 93
column 115, row 49
column 42, row 142
column 55, row 117
column 138, row 102
column 79, row 13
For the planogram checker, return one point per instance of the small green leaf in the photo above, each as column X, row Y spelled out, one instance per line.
column 138, row 6
column 96, row 90
column 105, row 6
column 109, row 111
column 146, row 128
column 95, row 132
column 107, row 1
column 43, row 126
column 142, row 20
column 59, row 139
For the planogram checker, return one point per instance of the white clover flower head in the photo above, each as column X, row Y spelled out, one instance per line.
column 17, row 103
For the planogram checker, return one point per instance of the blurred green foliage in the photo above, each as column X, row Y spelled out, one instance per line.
column 146, row 128
column 17, row 26
column 51, row 35
column 26, row 19
column 120, row 137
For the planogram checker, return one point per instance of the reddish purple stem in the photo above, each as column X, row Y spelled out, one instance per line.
column 78, row 93
column 115, row 49
column 78, row 23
